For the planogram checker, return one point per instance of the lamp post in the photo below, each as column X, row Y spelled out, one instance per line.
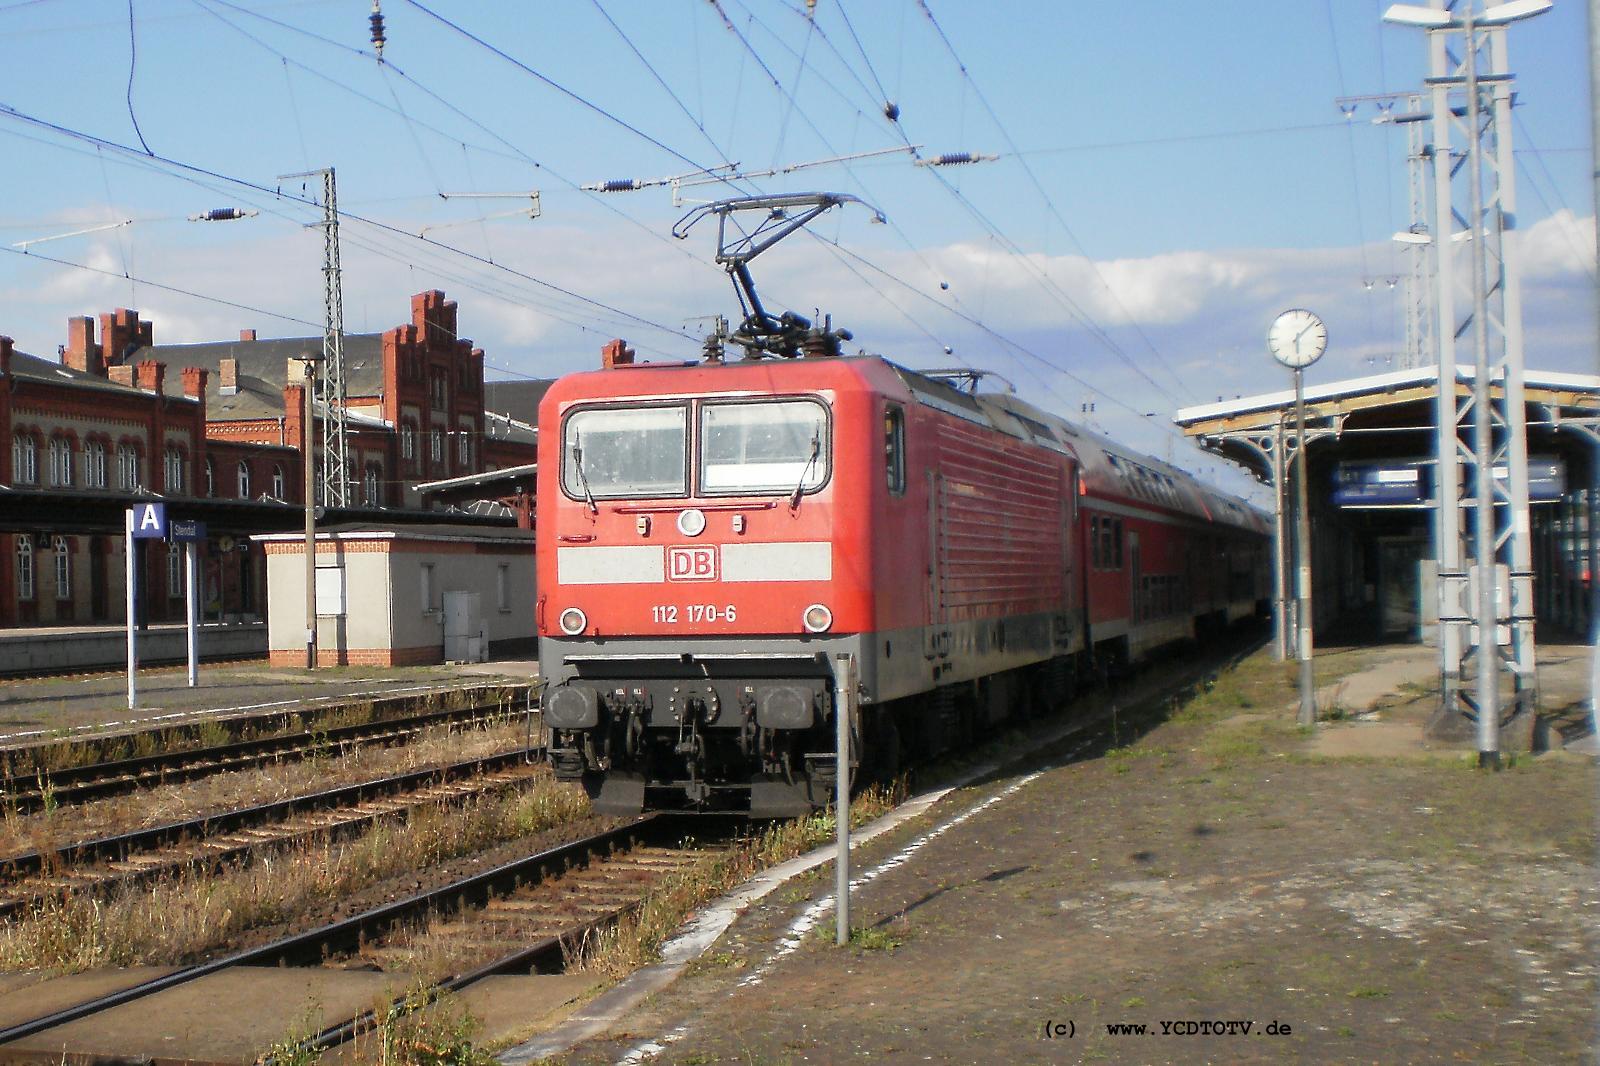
column 1297, row 338
column 308, row 464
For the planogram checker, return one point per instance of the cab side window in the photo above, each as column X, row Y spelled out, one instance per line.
column 894, row 448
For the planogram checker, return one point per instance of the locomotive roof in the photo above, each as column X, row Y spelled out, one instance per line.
column 1109, row 469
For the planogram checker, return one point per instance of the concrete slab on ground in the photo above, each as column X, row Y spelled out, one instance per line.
column 26, row 996
column 38, row 709
column 265, row 1004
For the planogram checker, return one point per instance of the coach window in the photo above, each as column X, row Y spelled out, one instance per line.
column 772, row 446
column 894, row 447
column 625, row 452
column 1094, row 542
column 1116, row 544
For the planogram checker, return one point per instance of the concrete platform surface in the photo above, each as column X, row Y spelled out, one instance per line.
column 37, row 709
column 228, row 1017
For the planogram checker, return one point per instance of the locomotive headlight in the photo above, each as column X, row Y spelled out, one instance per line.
column 692, row 523
column 573, row 621
column 817, row 619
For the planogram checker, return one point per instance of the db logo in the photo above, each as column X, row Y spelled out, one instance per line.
column 692, row 564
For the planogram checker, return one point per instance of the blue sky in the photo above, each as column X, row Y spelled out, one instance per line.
column 1183, row 174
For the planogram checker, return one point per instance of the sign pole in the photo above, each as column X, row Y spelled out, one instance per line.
column 844, row 681
column 131, row 606
column 191, row 574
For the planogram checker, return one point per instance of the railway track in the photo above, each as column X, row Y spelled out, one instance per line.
column 26, row 793
column 212, row 841
column 523, row 916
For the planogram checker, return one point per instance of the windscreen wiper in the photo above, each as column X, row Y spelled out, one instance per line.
column 800, row 486
column 583, row 479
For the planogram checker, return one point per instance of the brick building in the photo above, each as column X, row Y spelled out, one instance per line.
column 108, row 425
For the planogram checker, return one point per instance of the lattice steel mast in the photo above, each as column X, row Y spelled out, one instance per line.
column 333, row 488
column 1486, row 611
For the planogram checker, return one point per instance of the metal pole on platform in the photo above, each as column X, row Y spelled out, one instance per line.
column 1592, row 512
column 131, row 604
column 1280, row 563
column 1308, row 695
column 844, row 696
column 191, row 601
column 308, row 462
column 1488, row 708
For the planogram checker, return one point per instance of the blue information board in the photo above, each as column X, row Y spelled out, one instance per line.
column 186, row 529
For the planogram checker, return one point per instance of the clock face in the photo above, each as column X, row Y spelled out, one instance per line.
column 1297, row 338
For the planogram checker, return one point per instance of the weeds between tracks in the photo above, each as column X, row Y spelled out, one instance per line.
column 199, row 912
column 49, row 829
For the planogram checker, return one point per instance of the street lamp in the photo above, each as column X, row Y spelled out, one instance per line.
column 308, row 464
column 1297, row 338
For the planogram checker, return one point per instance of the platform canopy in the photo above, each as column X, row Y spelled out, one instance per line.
column 1395, row 410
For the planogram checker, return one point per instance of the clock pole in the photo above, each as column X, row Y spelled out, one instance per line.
column 1302, row 536
column 1297, row 338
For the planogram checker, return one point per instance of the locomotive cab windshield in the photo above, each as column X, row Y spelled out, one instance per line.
column 743, row 448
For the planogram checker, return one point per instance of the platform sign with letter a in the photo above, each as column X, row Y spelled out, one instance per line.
column 149, row 521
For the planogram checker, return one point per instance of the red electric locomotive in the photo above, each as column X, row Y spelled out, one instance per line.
column 712, row 536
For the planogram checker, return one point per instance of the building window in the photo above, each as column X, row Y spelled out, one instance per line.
column 174, row 471
column 60, row 461
column 24, row 566
column 408, row 442
column 370, row 484
column 63, row 570
column 127, row 468
column 244, row 480
column 464, row 448
column 502, row 586
column 436, row 446
column 174, row 571
column 94, row 465
column 211, row 477
column 427, row 587
column 439, row 379
column 278, row 490
column 24, row 459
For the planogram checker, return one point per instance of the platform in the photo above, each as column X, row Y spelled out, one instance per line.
column 76, row 648
column 36, row 709
column 1223, row 888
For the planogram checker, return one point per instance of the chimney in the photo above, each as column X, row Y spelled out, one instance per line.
column 228, row 377
column 614, row 354
column 5, row 357
column 194, row 382
column 122, row 375
column 247, row 335
column 122, row 333
column 294, row 407
column 82, row 353
column 151, row 376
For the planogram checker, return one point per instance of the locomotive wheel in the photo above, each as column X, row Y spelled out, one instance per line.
column 885, row 751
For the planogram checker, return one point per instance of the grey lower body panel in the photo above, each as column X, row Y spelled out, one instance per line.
column 891, row 664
